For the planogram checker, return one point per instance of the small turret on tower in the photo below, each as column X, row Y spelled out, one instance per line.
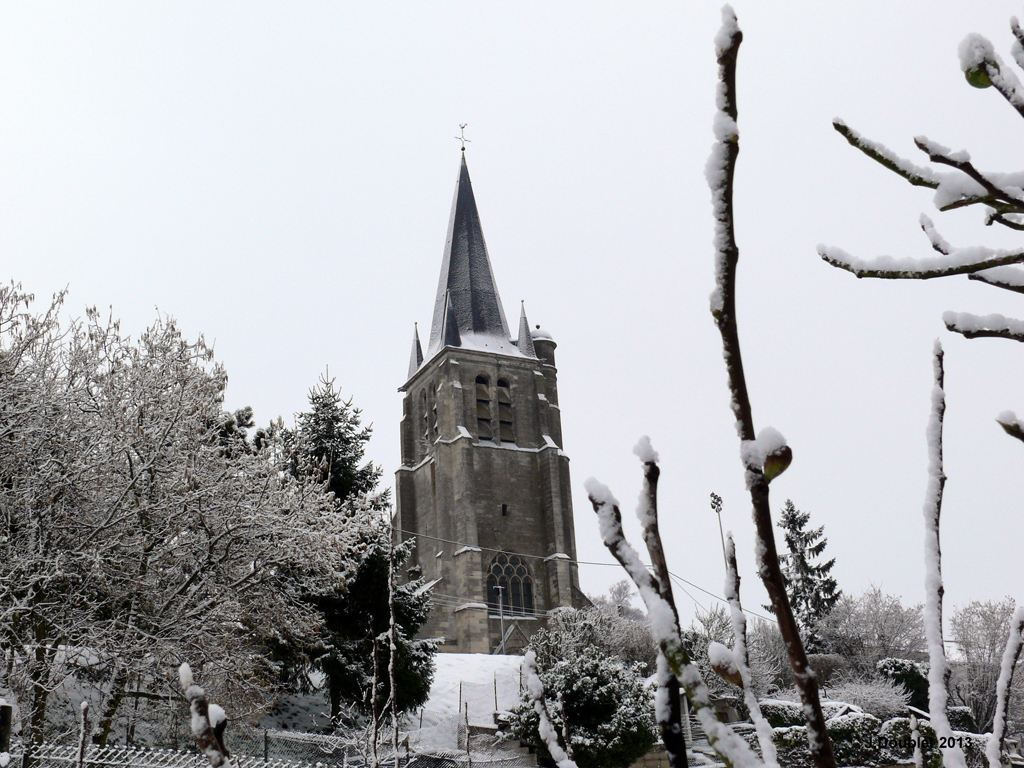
column 416, row 357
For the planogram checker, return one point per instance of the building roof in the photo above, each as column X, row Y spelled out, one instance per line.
column 467, row 307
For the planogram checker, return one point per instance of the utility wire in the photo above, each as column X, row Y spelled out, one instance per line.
column 567, row 559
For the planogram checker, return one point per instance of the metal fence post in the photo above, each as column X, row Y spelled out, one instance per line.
column 266, row 745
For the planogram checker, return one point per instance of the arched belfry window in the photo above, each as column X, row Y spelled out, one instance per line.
column 483, row 408
column 425, row 420
column 509, row 587
column 505, row 421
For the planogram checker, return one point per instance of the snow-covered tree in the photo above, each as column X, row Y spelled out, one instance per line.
column 874, row 626
column 135, row 529
column 812, row 591
column 329, row 442
column 328, row 446
column 979, row 631
column 356, row 625
column 620, row 599
column 603, row 706
column 570, row 631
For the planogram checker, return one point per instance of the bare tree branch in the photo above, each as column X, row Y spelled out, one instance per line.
column 720, row 171
column 1007, row 278
column 988, row 326
column 960, row 261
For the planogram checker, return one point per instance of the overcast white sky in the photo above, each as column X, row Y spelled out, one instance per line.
column 278, row 177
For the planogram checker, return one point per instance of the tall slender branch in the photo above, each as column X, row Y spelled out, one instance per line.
column 670, row 715
column 938, row 671
column 720, row 171
column 741, row 655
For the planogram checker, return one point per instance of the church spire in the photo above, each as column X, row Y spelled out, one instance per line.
column 416, row 357
column 525, row 342
column 466, row 286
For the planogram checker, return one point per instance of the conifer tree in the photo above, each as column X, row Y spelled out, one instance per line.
column 813, row 593
column 329, row 444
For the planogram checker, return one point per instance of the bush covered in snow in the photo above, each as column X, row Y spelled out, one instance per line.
column 605, row 707
column 881, row 698
column 962, row 719
column 855, row 739
column 912, row 675
column 781, row 714
column 895, row 736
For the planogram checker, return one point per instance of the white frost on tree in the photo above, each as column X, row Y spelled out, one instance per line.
column 1011, row 655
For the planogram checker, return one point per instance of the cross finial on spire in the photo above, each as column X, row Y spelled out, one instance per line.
column 462, row 135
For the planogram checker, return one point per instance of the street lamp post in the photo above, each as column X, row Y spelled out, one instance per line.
column 716, row 505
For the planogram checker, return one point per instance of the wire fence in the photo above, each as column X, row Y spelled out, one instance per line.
column 445, row 741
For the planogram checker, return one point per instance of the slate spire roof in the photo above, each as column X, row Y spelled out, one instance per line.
column 467, row 306
column 416, row 357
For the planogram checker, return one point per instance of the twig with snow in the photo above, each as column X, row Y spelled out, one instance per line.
column 1011, row 654
column 669, row 709
column 755, row 452
column 208, row 720
column 992, row 326
column 938, row 670
column 741, row 656
column 535, row 688
column 1011, row 424
column 733, row 750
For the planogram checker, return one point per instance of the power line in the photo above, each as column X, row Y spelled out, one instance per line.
column 567, row 559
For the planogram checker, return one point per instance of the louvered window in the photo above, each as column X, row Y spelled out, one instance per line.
column 425, row 431
column 484, row 429
column 505, row 420
column 509, row 587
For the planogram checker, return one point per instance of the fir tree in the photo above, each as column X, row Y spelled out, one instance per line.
column 812, row 592
column 329, row 444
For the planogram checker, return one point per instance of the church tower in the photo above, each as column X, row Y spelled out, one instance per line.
column 484, row 484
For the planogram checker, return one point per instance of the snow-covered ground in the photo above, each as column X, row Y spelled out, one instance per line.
column 477, row 675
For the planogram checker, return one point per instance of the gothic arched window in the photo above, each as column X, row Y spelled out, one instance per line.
column 509, row 587
column 505, row 431
column 483, row 408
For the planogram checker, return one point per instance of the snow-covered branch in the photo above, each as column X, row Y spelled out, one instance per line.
column 1013, row 426
column 915, row 174
column 984, row 326
column 535, row 688
column 1011, row 655
column 669, row 710
column 1007, row 278
column 207, row 721
column 733, row 750
column 720, row 173
column 741, row 656
column 958, row 261
column 938, row 670
column 983, row 68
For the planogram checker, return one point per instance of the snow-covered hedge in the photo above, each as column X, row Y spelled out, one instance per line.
column 855, row 739
column 781, row 714
column 895, row 736
column 961, row 719
column 861, row 739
